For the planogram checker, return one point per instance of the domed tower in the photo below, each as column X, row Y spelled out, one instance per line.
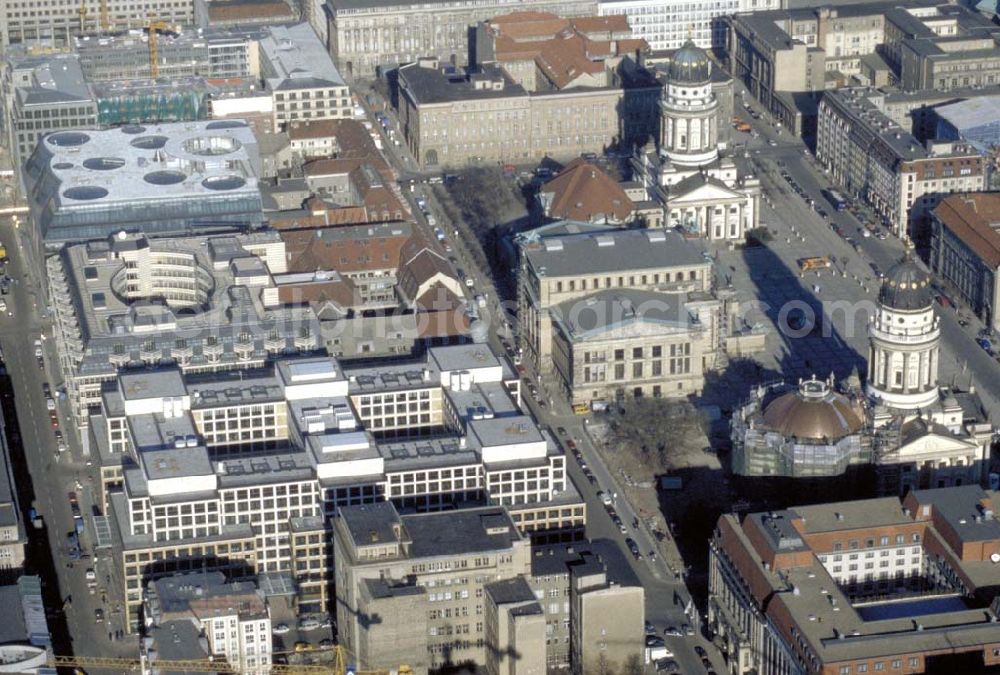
column 688, row 109
column 904, row 334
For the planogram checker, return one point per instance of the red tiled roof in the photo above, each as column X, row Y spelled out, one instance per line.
column 582, row 191
column 308, row 251
column 974, row 218
column 616, row 23
column 566, row 58
column 238, row 11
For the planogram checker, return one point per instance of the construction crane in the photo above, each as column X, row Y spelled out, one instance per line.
column 82, row 11
column 126, row 665
column 154, row 54
column 340, row 666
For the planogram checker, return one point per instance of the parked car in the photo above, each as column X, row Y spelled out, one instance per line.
column 672, row 631
column 688, row 630
column 308, row 624
column 281, row 629
column 98, row 616
column 654, row 641
column 667, row 666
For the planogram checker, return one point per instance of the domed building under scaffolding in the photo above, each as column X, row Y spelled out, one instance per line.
column 810, row 431
column 917, row 433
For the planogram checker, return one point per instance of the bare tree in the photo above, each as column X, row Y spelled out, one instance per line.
column 601, row 666
column 659, row 432
column 633, row 665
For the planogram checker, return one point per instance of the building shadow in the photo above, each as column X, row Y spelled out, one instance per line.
column 40, row 559
column 810, row 341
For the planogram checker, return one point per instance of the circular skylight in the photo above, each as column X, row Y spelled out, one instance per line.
column 208, row 146
column 68, row 139
column 149, row 142
column 103, row 163
column 226, row 124
column 224, row 182
column 133, row 129
column 62, row 165
column 164, row 177
column 85, row 192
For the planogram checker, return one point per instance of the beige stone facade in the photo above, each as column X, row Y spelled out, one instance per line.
column 487, row 118
column 424, row 577
column 365, row 34
column 608, row 619
column 639, row 321
column 876, row 160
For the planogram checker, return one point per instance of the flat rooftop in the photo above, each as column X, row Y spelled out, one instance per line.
column 460, row 532
column 298, row 59
column 840, row 628
column 54, row 79
column 450, row 84
column 612, row 252
column 151, row 162
column 612, row 309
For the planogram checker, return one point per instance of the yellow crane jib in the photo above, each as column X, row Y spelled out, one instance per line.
column 154, row 27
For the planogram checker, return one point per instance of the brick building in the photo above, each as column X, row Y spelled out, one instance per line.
column 864, row 587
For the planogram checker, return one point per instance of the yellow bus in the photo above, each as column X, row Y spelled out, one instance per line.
column 581, row 409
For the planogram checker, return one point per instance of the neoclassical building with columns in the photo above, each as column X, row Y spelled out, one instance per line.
column 916, row 433
column 704, row 192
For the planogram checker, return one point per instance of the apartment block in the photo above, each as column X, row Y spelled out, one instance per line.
column 877, row 585
column 199, row 468
column 13, row 537
column 515, row 639
column 965, row 250
column 43, row 94
column 367, row 35
column 877, row 161
column 427, row 577
column 640, row 320
column 231, row 619
column 208, row 315
column 607, row 620
column 302, row 79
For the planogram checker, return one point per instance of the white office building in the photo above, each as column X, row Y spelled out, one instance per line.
column 668, row 24
column 241, row 474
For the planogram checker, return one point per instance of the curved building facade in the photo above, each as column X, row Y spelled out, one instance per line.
column 812, row 431
column 689, row 110
column 158, row 179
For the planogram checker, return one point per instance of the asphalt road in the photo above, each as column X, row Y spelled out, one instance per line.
column 53, row 476
column 968, row 361
column 666, row 597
